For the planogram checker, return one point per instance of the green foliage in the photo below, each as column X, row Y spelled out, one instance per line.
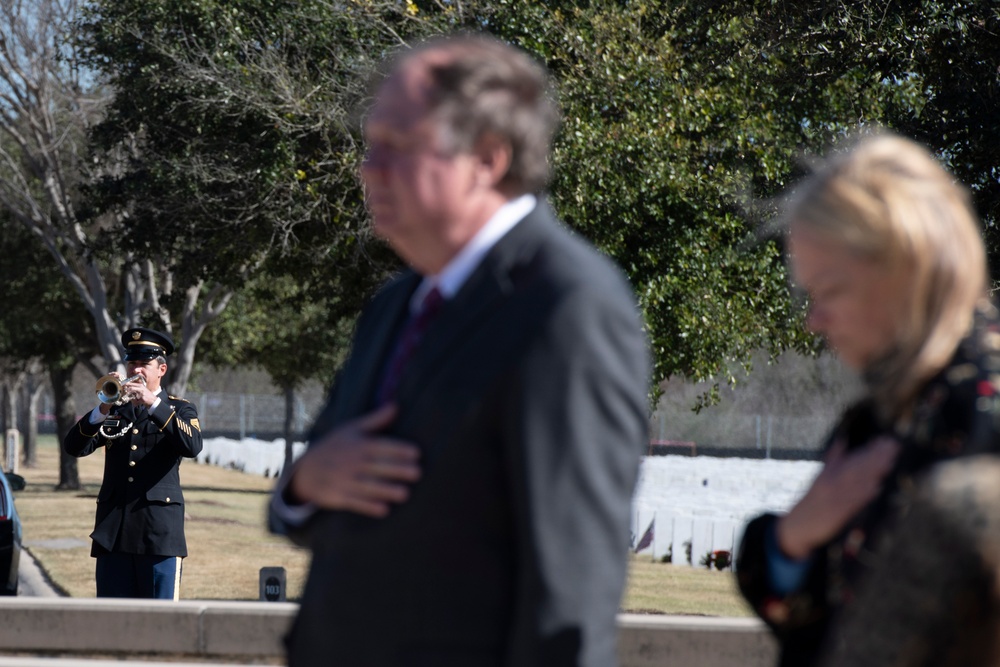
column 719, row 559
column 293, row 327
column 663, row 147
column 41, row 318
column 237, row 122
column 926, row 69
column 685, row 121
column 683, row 124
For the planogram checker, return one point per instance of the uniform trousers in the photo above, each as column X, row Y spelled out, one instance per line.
column 138, row 576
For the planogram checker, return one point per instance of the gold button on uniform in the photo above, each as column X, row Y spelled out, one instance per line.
column 168, row 499
column 135, row 447
column 135, row 431
column 130, row 479
column 131, row 464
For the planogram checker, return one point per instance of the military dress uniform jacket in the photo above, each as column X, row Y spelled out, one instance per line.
column 140, row 507
column 881, row 558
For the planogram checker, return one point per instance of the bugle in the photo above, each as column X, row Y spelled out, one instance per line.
column 109, row 388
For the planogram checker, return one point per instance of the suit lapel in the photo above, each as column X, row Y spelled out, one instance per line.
column 474, row 301
column 484, row 292
column 369, row 358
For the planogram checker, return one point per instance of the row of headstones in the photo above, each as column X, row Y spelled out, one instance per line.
column 254, row 457
column 684, row 540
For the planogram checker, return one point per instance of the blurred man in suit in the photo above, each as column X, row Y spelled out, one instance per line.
column 466, row 489
column 138, row 537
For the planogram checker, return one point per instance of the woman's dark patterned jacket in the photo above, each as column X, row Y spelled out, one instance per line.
column 878, row 561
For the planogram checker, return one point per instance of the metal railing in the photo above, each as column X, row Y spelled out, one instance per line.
column 259, row 416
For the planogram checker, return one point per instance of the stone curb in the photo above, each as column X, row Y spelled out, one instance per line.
column 249, row 631
column 85, row 662
column 108, row 625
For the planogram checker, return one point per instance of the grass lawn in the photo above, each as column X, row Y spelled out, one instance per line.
column 228, row 542
column 226, row 535
column 661, row 588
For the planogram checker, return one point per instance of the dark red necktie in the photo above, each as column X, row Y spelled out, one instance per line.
column 409, row 339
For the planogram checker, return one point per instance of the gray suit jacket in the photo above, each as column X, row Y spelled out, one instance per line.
column 528, row 398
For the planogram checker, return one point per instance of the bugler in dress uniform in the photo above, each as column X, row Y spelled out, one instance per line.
column 138, row 537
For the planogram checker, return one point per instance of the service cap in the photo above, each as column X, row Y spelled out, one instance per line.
column 143, row 344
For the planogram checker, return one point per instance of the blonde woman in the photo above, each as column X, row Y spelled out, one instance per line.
column 887, row 248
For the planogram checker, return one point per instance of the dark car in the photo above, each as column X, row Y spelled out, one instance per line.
column 10, row 537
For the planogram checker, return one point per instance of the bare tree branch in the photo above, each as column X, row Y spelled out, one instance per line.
column 48, row 104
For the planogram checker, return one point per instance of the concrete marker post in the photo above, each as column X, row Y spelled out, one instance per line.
column 272, row 584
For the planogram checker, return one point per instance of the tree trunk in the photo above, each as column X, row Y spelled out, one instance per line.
column 8, row 410
column 3, row 407
column 289, row 419
column 30, row 394
column 23, row 418
column 9, row 414
column 65, row 411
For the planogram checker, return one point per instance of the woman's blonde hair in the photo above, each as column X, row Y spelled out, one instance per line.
column 888, row 199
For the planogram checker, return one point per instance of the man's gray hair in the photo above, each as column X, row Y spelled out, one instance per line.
column 487, row 87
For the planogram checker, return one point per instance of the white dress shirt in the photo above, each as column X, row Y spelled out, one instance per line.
column 451, row 278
